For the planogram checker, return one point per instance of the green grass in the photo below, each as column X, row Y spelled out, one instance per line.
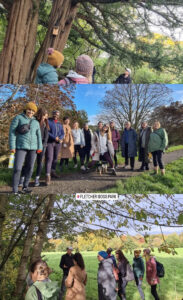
column 145, row 183
column 171, row 287
column 174, row 148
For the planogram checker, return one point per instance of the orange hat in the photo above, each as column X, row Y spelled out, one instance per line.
column 55, row 58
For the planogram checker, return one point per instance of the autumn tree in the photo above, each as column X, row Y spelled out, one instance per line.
column 116, row 31
column 133, row 103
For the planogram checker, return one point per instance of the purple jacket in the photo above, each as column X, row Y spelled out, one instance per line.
column 115, row 138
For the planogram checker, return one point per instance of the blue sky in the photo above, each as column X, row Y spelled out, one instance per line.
column 87, row 96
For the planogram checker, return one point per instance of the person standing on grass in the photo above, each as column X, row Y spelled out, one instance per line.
column 88, row 135
column 105, row 278
column 25, row 140
column 144, row 137
column 102, row 147
column 138, row 270
column 67, row 148
column 46, row 72
column 129, row 145
column 157, row 144
column 122, row 267
column 66, row 263
column 42, row 287
column 79, row 143
column 115, row 141
column 56, row 135
column 151, row 273
column 76, row 279
column 124, row 78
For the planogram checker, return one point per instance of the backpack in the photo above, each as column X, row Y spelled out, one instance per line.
column 160, row 269
column 38, row 294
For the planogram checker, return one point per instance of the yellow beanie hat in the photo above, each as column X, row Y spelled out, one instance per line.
column 55, row 58
column 32, row 106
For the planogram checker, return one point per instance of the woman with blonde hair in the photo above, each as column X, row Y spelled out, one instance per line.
column 102, row 147
column 76, row 279
column 157, row 144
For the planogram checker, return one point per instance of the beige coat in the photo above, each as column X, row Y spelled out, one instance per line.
column 75, row 284
column 67, row 149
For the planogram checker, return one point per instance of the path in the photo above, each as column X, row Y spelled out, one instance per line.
column 92, row 181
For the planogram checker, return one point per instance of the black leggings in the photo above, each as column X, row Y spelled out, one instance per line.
column 154, row 292
column 157, row 159
column 115, row 157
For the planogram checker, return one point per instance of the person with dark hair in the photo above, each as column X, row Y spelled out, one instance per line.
column 124, row 78
column 41, row 287
column 56, row 135
column 122, row 267
column 138, row 270
column 105, row 278
column 115, row 140
column 25, row 140
column 79, row 143
column 128, row 145
column 144, row 137
column 66, row 263
column 110, row 255
column 151, row 272
column 88, row 135
column 46, row 72
column 76, row 279
column 67, row 148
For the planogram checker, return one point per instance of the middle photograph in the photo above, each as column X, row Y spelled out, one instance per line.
column 109, row 138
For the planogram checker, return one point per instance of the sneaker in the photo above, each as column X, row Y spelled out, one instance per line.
column 37, row 183
column 21, row 182
column 114, row 172
column 83, row 168
column 26, row 190
column 75, row 166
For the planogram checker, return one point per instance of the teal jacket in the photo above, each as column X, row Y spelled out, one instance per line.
column 158, row 140
column 29, row 141
column 46, row 74
column 138, row 267
column 49, row 291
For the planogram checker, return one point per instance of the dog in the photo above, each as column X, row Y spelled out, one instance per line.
column 102, row 167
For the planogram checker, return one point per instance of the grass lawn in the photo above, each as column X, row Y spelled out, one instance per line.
column 171, row 183
column 171, row 286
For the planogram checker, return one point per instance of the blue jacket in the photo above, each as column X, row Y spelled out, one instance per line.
column 29, row 141
column 132, row 143
column 56, row 129
column 46, row 74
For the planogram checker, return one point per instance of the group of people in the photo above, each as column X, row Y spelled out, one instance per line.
column 113, row 276
column 34, row 136
column 83, row 74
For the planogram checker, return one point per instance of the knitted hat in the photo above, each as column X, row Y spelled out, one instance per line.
column 128, row 70
column 55, row 58
column 32, row 106
column 103, row 254
column 84, row 65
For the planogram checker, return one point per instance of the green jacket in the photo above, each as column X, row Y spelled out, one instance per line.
column 49, row 291
column 158, row 140
column 31, row 140
column 138, row 267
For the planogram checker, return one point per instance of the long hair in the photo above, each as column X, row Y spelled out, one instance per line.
column 121, row 255
column 39, row 116
column 79, row 259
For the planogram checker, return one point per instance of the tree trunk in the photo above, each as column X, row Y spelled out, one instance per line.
column 22, row 272
column 20, row 40
column 42, row 229
column 3, row 202
column 62, row 15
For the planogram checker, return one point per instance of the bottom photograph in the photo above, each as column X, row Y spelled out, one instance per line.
column 56, row 247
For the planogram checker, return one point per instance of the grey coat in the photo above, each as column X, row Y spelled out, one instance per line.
column 106, row 280
column 132, row 143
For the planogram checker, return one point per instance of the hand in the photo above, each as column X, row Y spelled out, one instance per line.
column 82, row 146
column 39, row 151
column 12, row 150
column 57, row 139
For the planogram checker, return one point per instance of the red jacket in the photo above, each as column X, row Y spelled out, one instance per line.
column 151, row 272
column 115, row 138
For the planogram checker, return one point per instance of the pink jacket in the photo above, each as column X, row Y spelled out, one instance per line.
column 115, row 138
column 151, row 273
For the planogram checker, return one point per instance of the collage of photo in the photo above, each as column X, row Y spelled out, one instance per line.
column 91, row 150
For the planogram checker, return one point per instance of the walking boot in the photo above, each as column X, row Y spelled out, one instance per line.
column 48, row 179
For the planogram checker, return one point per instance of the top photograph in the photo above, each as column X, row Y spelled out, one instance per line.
column 91, row 41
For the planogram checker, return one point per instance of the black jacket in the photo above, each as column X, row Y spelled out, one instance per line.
column 124, row 80
column 44, row 135
column 67, row 260
column 87, row 136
